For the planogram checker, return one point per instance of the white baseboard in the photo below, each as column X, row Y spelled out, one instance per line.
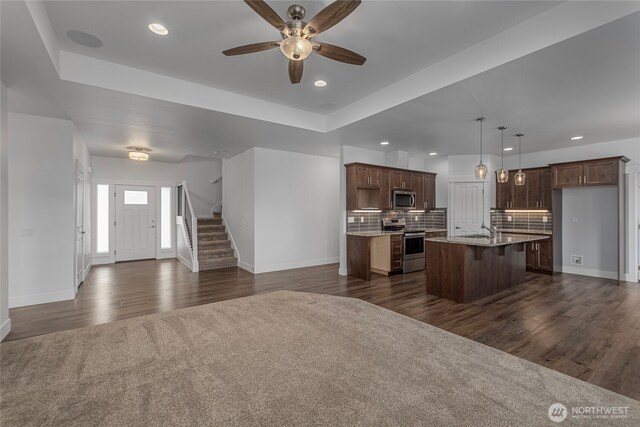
column 101, row 261
column 245, row 266
column 590, row 272
column 342, row 271
column 42, row 298
column 86, row 270
column 165, row 255
column 5, row 329
column 185, row 261
column 295, row 264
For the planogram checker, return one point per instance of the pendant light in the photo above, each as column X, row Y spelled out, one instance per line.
column 503, row 174
column 520, row 176
column 481, row 169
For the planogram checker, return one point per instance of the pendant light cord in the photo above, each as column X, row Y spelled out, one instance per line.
column 519, row 151
column 481, row 141
column 502, row 136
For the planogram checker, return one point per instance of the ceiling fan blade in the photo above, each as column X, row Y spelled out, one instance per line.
column 295, row 71
column 267, row 13
column 330, row 16
column 250, row 48
column 338, row 53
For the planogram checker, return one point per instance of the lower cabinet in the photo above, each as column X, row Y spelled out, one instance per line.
column 540, row 255
column 386, row 254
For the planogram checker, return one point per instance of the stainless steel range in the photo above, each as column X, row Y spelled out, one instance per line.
column 413, row 247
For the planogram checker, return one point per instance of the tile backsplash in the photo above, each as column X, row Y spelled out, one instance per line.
column 372, row 221
column 538, row 222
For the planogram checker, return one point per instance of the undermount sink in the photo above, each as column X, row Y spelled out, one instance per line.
column 476, row 236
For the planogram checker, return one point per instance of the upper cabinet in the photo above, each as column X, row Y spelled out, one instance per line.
column 370, row 186
column 535, row 194
column 587, row 173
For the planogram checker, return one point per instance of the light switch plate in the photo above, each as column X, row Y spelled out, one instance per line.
column 361, row 219
column 509, row 218
column 28, row 231
column 574, row 219
column 545, row 219
column 351, row 220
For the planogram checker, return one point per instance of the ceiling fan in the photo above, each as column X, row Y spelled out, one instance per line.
column 296, row 34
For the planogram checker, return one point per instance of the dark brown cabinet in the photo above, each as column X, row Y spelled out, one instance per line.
column 370, row 186
column 588, row 173
column 385, row 190
column 534, row 194
column 429, row 198
column 600, row 172
column 396, row 253
column 540, row 255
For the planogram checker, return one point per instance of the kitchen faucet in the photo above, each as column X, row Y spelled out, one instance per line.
column 492, row 230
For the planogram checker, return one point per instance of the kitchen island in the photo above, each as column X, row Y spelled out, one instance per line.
column 467, row 268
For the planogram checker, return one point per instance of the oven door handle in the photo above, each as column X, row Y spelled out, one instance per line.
column 413, row 201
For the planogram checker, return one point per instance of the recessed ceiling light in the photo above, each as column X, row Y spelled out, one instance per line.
column 320, row 83
column 138, row 154
column 508, row 149
column 384, row 143
column 575, row 138
column 433, row 154
column 158, row 29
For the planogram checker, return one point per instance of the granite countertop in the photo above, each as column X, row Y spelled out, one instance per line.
column 516, row 231
column 503, row 240
column 388, row 233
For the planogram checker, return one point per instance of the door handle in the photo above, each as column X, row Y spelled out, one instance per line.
column 457, row 228
column 153, row 226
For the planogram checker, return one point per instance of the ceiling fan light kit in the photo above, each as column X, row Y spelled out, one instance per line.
column 296, row 44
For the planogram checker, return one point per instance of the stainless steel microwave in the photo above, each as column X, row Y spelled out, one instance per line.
column 403, row 199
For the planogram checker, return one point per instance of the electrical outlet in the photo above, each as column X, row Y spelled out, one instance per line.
column 361, row 219
column 576, row 259
column 28, row 231
column 416, row 217
column 351, row 220
column 509, row 218
column 545, row 219
column 574, row 219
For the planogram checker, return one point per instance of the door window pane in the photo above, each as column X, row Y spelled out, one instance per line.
column 165, row 218
column 102, row 219
column 135, row 197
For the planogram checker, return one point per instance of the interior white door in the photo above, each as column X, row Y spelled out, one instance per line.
column 80, row 231
column 135, row 222
column 467, row 207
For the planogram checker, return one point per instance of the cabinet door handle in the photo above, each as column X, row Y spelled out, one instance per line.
column 579, row 180
column 585, row 179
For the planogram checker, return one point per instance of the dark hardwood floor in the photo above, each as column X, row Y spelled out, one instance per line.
column 585, row 327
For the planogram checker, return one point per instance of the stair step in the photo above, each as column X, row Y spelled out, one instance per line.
column 217, row 215
column 214, row 244
column 209, row 221
column 210, row 228
column 208, row 254
column 207, row 237
column 215, row 264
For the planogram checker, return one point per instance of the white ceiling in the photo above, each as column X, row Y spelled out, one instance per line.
column 398, row 38
column 585, row 85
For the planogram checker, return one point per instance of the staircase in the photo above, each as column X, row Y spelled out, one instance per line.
column 214, row 247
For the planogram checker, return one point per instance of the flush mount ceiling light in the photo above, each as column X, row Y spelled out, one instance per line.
column 296, row 44
column 139, row 154
column 159, row 29
column 433, row 154
column 508, row 149
column 384, row 143
column 320, row 83
column 520, row 176
column 503, row 174
column 481, row 169
column 575, row 138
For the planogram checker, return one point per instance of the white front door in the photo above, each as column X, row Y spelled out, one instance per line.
column 135, row 222
column 467, row 207
column 80, row 232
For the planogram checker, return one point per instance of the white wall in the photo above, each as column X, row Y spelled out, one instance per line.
column 590, row 229
column 280, row 208
column 238, row 205
column 296, row 200
column 82, row 159
column 5, row 321
column 41, row 210
column 198, row 173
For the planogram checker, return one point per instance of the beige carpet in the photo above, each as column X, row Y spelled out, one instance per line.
column 284, row 358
